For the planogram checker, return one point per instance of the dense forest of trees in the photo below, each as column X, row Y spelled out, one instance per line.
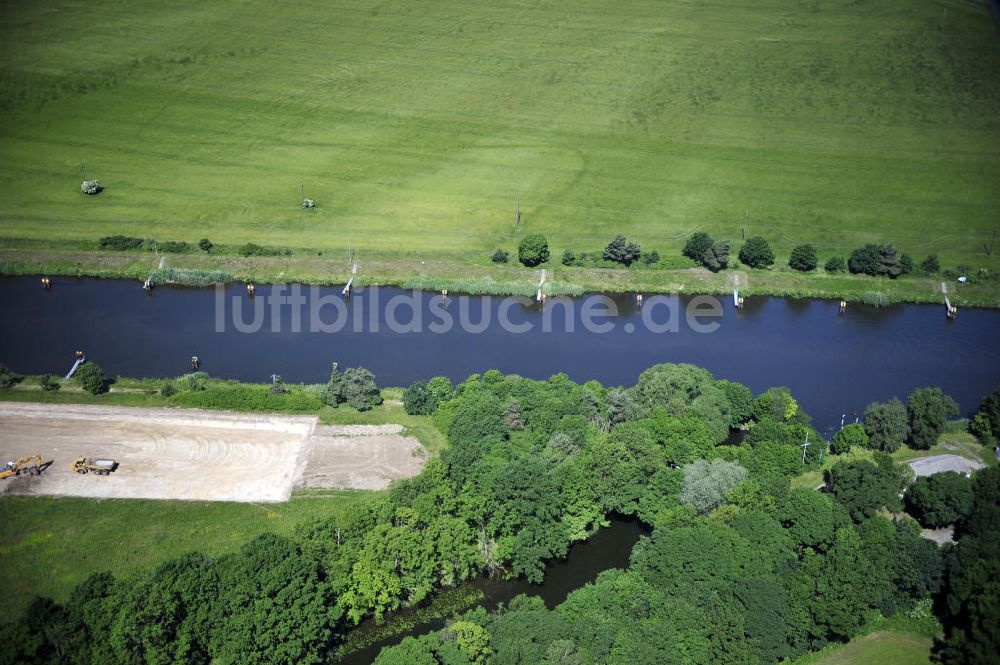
column 739, row 568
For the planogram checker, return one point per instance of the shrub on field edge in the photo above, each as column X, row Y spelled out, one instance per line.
column 835, row 264
column 533, row 250
column 875, row 260
column 91, row 378
column 568, row 258
column 716, row 257
column 360, row 389
column 418, row 400
column 253, row 249
column 500, row 256
column 8, row 378
column 205, row 245
column 49, row 382
column 696, row 246
column 622, row 251
column 930, row 265
column 174, row 247
column 756, row 253
column 120, row 243
column 803, row 258
column 356, row 387
column 847, row 438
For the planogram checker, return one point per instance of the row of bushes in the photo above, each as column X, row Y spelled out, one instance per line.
column 120, row 243
column 888, row 425
column 874, row 260
column 756, row 252
column 248, row 398
column 252, row 249
column 125, row 243
column 533, row 250
column 356, row 387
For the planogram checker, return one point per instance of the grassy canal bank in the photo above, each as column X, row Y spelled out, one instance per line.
column 459, row 274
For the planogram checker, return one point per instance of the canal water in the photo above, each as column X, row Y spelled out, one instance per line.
column 834, row 364
column 609, row 548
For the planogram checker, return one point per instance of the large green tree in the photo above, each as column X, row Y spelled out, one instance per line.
column 940, row 499
column 276, row 603
column 864, row 487
column 986, row 423
column 928, row 409
column 969, row 604
column 418, row 400
column 886, row 425
column 851, row 436
column 707, row 483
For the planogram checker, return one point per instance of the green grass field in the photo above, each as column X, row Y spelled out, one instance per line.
column 415, row 126
column 899, row 640
column 49, row 545
column 883, row 647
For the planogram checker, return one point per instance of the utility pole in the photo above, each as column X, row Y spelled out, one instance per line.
column 517, row 220
column 746, row 223
column 804, row 446
column 83, row 171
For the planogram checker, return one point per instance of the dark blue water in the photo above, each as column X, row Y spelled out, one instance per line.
column 834, row 364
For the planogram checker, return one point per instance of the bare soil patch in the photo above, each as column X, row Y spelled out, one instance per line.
column 927, row 466
column 360, row 457
column 198, row 455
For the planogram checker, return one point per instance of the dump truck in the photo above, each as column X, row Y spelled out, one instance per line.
column 30, row 465
column 102, row 467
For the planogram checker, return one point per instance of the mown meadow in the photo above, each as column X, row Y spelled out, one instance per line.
column 416, row 127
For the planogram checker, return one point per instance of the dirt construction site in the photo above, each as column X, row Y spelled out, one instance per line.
column 198, row 455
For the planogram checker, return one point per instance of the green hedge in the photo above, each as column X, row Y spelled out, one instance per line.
column 248, row 398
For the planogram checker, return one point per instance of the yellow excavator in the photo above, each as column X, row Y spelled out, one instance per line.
column 100, row 467
column 30, row 465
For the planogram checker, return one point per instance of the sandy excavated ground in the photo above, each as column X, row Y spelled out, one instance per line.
column 361, row 456
column 197, row 455
column 927, row 466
